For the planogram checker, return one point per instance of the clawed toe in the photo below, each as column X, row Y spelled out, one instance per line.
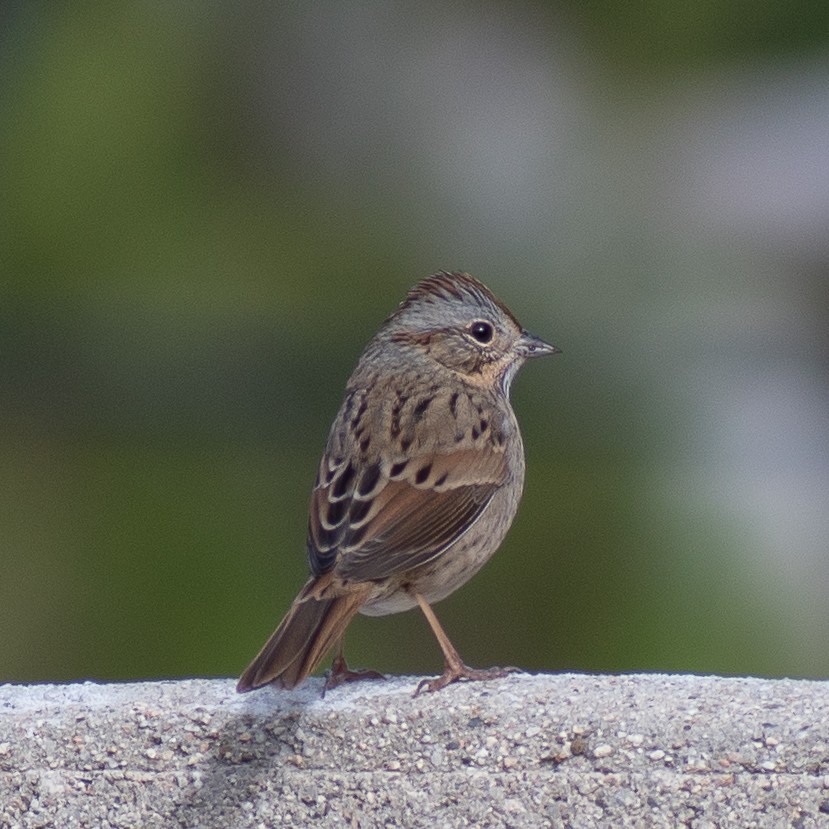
column 456, row 673
column 340, row 674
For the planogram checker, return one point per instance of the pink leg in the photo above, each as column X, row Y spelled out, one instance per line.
column 454, row 667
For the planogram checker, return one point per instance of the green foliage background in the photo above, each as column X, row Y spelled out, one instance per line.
column 189, row 271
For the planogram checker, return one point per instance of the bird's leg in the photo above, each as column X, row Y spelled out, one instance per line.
column 340, row 673
column 454, row 668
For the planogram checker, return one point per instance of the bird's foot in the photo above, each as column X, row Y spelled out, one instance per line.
column 340, row 673
column 457, row 672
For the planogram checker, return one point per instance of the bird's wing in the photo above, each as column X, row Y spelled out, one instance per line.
column 385, row 518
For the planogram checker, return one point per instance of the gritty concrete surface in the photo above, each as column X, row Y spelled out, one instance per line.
column 524, row 751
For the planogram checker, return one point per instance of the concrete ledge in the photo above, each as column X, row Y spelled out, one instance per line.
column 525, row 751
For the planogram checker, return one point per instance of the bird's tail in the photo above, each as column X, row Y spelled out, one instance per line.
column 308, row 631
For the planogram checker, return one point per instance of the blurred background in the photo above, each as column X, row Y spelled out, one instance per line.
column 207, row 209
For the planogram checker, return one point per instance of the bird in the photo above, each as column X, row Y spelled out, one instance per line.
column 419, row 481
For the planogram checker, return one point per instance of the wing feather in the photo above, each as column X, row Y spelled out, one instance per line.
column 378, row 523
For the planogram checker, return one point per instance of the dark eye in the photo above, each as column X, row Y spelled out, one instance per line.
column 481, row 331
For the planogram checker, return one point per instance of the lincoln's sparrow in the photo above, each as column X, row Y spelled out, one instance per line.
column 419, row 482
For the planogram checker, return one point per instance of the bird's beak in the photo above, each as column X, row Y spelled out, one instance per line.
column 531, row 346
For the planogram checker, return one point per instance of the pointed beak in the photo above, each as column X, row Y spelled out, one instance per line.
column 532, row 346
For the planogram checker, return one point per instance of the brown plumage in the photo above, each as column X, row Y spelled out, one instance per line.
column 419, row 481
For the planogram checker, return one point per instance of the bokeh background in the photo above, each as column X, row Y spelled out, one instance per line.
column 207, row 209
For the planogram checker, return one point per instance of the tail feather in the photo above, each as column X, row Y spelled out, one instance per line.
column 295, row 649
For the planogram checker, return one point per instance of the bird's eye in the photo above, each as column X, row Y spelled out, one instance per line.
column 481, row 331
